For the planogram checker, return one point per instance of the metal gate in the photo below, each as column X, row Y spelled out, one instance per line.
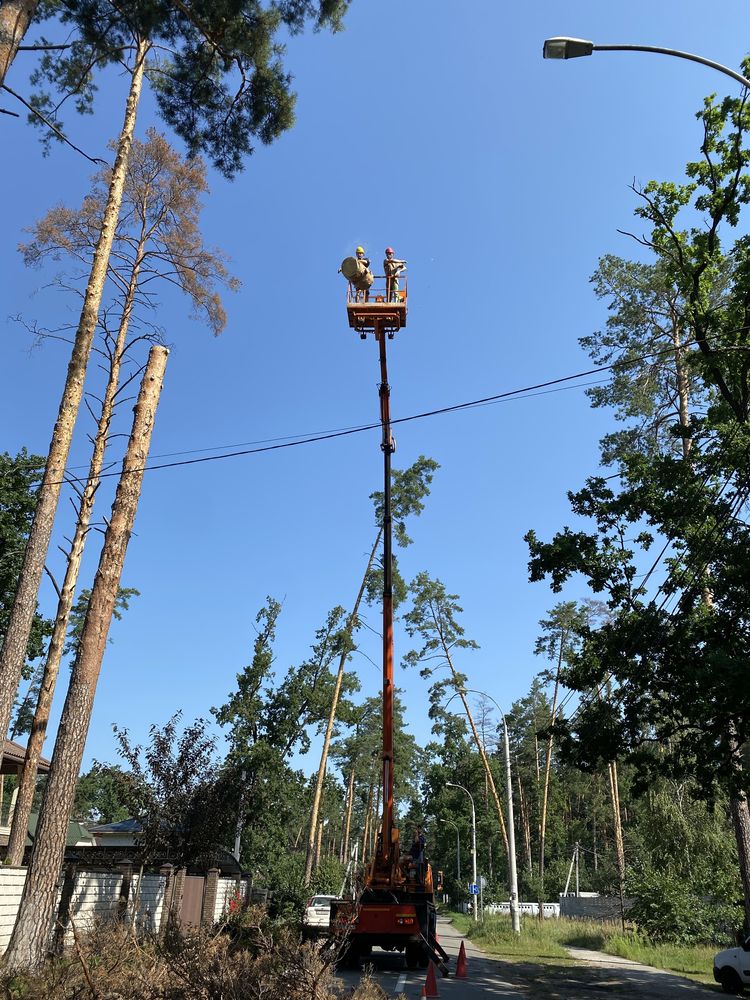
column 191, row 910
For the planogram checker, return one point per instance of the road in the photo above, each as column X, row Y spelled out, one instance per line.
column 590, row 975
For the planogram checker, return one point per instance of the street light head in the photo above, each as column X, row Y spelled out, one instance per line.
column 566, row 48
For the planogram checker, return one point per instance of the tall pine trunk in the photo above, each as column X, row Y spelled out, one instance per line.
column 368, row 816
column 27, row 784
column 614, row 791
column 30, row 939
column 548, row 764
column 480, row 748
column 15, row 18
column 525, row 822
column 740, row 811
column 345, row 852
column 350, row 626
column 13, row 653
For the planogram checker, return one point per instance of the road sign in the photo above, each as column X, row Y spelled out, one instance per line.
column 483, row 881
column 473, row 889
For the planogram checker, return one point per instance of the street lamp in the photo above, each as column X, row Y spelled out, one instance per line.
column 458, row 848
column 515, row 916
column 450, row 784
column 572, row 48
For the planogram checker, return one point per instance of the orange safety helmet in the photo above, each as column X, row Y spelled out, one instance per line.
column 389, row 250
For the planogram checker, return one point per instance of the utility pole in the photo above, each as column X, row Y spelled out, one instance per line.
column 578, row 886
column 514, row 914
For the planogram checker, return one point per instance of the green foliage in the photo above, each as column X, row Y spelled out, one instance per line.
column 78, row 612
column 666, row 908
column 19, row 475
column 664, row 671
column 361, row 749
column 222, row 87
column 647, row 339
column 285, row 873
column 102, row 795
column 177, row 792
column 409, row 489
column 434, row 618
column 267, row 718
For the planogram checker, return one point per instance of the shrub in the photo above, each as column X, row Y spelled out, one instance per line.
column 668, row 908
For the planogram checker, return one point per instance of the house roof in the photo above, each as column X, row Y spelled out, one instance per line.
column 124, row 826
column 14, row 755
column 76, row 832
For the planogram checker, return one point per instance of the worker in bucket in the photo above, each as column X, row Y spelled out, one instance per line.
column 363, row 290
column 391, row 269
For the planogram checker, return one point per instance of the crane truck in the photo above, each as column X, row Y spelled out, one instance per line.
column 395, row 909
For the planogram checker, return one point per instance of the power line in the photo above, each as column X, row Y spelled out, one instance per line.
column 525, row 391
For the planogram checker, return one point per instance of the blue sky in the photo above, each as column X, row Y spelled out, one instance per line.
column 502, row 179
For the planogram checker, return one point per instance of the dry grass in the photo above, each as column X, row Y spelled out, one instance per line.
column 253, row 962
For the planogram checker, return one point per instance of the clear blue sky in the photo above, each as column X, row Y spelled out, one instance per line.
column 501, row 178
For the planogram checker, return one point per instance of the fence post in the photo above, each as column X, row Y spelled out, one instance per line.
column 177, row 892
column 126, row 870
column 167, row 873
column 210, row 891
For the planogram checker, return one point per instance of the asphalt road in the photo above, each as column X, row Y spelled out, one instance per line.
column 591, row 976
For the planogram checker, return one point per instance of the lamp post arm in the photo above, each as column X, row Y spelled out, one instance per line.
column 680, row 55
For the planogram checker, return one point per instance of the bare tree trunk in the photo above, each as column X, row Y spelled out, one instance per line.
column 345, row 852
column 525, row 823
column 318, row 842
column 738, row 805
column 482, row 753
column 30, row 939
column 351, row 624
column 614, row 790
column 13, row 653
column 548, row 761
column 741, row 823
column 27, row 782
column 15, row 18
column 368, row 814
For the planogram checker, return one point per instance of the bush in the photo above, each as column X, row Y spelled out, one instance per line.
column 668, row 908
column 109, row 963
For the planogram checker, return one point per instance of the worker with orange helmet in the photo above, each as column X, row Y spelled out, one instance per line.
column 391, row 269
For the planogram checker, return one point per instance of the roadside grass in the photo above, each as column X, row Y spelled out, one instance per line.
column 547, row 941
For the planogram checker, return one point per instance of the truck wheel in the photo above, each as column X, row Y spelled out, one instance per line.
column 413, row 953
column 731, row 982
column 424, row 960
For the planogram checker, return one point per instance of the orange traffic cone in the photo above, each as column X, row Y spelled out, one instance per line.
column 430, row 987
column 462, row 966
